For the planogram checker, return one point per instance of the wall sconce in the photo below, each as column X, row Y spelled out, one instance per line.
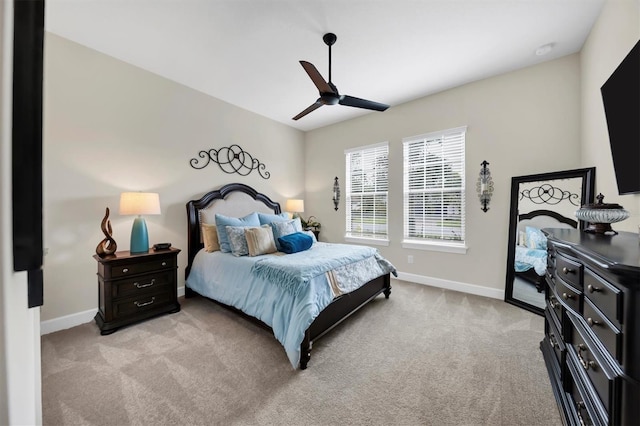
column 484, row 186
column 336, row 193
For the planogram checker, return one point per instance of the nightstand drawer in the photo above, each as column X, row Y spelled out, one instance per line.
column 143, row 267
column 145, row 302
column 141, row 284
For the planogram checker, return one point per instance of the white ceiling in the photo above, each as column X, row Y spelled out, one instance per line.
column 246, row 52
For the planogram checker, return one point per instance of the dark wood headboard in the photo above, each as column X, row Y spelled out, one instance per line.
column 194, row 237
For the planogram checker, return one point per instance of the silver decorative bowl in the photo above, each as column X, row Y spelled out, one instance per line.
column 601, row 215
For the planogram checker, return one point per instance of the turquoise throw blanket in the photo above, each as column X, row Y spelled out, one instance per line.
column 293, row 243
column 294, row 271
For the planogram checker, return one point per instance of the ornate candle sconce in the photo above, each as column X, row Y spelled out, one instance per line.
column 484, row 186
column 336, row 193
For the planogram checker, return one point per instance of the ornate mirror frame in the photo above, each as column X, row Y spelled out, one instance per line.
column 544, row 206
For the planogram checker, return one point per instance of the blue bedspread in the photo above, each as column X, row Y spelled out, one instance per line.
column 230, row 280
column 527, row 258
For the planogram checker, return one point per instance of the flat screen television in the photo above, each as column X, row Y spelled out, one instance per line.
column 621, row 99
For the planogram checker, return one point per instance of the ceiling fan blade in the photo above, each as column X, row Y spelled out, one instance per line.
column 316, row 77
column 362, row 103
column 312, row 107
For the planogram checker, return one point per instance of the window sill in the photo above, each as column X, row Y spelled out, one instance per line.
column 443, row 247
column 368, row 241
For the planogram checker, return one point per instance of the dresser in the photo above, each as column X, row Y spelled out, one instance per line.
column 134, row 287
column 592, row 326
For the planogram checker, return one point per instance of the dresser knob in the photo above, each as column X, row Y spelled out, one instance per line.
column 164, row 263
column 592, row 289
column 592, row 322
column 567, row 271
column 125, row 270
column 566, row 296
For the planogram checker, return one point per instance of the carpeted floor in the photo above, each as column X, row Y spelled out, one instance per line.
column 426, row 356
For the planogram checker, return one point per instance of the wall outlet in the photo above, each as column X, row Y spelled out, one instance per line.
column 410, row 259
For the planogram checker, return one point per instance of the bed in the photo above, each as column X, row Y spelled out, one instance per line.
column 531, row 247
column 298, row 307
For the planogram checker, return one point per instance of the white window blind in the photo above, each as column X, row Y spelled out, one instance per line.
column 367, row 190
column 434, row 192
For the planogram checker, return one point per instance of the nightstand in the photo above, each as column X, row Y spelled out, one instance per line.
column 134, row 287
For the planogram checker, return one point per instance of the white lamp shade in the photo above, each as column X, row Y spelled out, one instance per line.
column 295, row 206
column 139, row 203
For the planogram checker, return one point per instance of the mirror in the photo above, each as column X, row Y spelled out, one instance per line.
column 546, row 200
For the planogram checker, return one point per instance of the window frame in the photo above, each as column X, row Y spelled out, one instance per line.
column 360, row 237
column 435, row 244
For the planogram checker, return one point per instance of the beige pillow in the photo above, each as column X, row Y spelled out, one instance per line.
column 260, row 240
column 210, row 238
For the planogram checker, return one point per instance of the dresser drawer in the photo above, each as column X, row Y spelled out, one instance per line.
column 555, row 339
column 606, row 332
column 571, row 297
column 587, row 356
column 143, row 267
column 141, row 284
column 583, row 408
column 604, row 295
column 132, row 306
column 569, row 270
column 555, row 307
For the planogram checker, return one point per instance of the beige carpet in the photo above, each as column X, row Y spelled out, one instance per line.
column 426, row 356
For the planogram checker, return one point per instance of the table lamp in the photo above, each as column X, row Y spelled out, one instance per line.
column 295, row 206
column 139, row 203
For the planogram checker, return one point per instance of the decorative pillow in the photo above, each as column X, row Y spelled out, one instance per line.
column 296, row 242
column 280, row 229
column 312, row 235
column 266, row 219
column 260, row 240
column 237, row 240
column 535, row 238
column 210, row 238
column 223, row 221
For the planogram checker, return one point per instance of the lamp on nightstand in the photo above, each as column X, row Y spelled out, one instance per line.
column 294, row 206
column 139, row 203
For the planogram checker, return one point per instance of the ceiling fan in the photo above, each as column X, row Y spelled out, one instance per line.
column 329, row 92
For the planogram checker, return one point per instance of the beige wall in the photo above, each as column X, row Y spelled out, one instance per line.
column 615, row 32
column 522, row 122
column 110, row 127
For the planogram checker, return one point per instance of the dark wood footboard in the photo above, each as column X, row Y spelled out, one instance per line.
column 339, row 310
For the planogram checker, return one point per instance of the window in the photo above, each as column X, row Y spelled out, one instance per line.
column 434, row 191
column 367, row 192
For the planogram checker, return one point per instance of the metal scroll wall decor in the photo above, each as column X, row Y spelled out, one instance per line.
column 549, row 194
column 484, row 186
column 231, row 159
column 336, row 193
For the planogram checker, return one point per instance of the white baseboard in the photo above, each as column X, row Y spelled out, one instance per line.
column 68, row 321
column 493, row 293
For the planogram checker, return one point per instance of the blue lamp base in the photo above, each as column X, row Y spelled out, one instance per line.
column 139, row 236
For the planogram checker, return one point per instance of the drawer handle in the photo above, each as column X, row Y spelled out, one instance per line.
column 593, row 322
column 586, row 365
column 138, row 285
column 592, row 289
column 567, row 271
column 581, row 406
column 553, row 302
column 125, row 270
column 140, row 305
column 554, row 343
column 566, row 296
column 164, row 263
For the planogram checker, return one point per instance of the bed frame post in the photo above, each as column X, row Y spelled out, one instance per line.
column 305, row 350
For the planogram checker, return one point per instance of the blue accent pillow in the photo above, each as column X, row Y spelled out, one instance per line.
column 280, row 229
column 296, row 242
column 266, row 219
column 223, row 221
column 535, row 238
